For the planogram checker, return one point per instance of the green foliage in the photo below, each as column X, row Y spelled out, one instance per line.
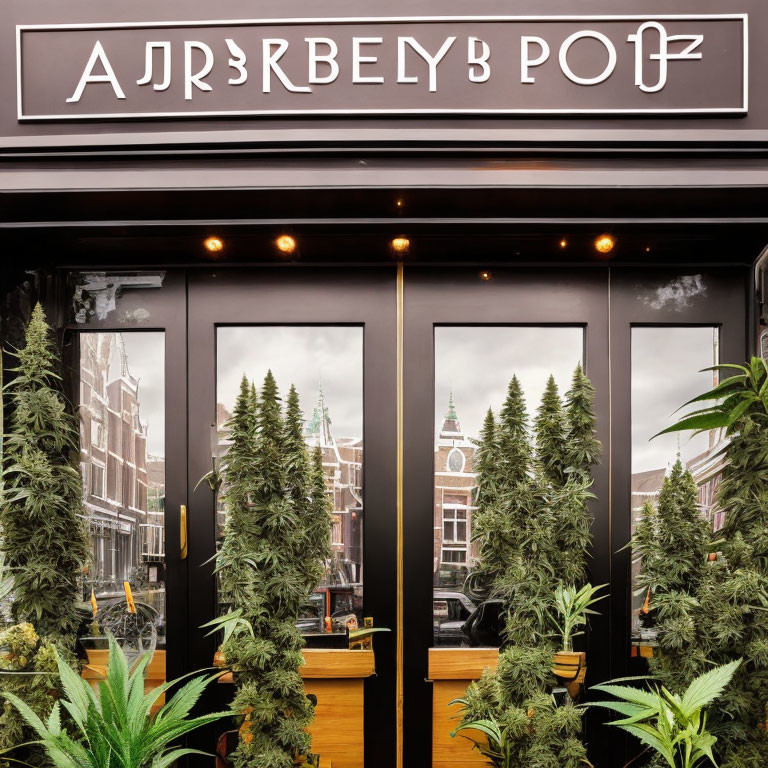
column 582, row 448
column 44, row 535
column 276, row 542
column 572, row 606
column 716, row 612
column 532, row 525
column 115, row 728
column 551, row 430
column 521, row 723
column 673, row 725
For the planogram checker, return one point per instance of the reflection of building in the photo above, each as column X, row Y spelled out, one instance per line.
column 454, row 486
column 122, row 489
column 343, row 465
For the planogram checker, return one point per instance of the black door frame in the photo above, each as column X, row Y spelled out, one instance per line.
column 305, row 296
column 460, row 297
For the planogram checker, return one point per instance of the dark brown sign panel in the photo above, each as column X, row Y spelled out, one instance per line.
column 683, row 64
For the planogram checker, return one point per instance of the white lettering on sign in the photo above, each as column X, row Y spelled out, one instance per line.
column 663, row 56
column 642, row 53
column 358, row 59
column 432, row 61
column 165, row 47
column 196, row 79
column 270, row 65
column 525, row 56
column 237, row 62
column 475, row 59
column 609, row 67
column 97, row 55
column 316, row 58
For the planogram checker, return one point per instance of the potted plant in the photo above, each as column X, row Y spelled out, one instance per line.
column 273, row 553
column 116, row 727
column 718, row 613
column 673, row 725
column 572, row 607
column 533, row 529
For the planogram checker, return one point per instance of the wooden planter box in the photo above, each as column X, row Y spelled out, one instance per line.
column 336, row 676
column 451, row 670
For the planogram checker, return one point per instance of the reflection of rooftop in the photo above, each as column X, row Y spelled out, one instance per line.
column 648, row 483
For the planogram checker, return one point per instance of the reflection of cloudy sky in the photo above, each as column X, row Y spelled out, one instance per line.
column 477, row 364
column 665, row 365
column 299, row 355
column 145, row 351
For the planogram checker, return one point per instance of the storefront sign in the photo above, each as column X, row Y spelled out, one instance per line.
column 555, row 65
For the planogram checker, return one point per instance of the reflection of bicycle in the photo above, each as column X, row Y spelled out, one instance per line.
column 136, row 633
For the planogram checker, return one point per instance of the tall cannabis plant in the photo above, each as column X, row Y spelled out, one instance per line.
column 43, row 531
column 729, row 607
column 44, row 536
column 532, row 523
column 270, row 560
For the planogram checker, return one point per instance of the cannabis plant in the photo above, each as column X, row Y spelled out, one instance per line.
column 673, row 725
column 513, row 709
column 724, row 616
column 116, row 728
column 276, row 541
column 43, row 531
column 532, row 526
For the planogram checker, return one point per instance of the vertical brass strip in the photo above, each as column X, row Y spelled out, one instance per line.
column 400, row 558
column 610, row 437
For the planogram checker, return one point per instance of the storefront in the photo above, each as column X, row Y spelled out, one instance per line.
column 396, row 213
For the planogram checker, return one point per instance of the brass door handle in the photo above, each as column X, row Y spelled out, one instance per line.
column 183, row 531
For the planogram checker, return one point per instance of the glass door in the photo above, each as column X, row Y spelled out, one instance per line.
column 329, row 335
column 125, row 350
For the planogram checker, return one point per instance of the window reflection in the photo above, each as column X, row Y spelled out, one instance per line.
column 473, row 367
column 122, row 460
column 667, row 371
column 325, row 364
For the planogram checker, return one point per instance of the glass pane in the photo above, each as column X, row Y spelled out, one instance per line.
column 473, row 368
column 325, row 364
column 122, row 459
column 666, row 365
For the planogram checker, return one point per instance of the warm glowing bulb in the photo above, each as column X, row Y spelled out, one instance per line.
column 285, row 244
column 563, row 243
column 648, row 249
column 400, row 244
column 604, row 244
column 484, row 275
column 400, row 202
column 213, row 244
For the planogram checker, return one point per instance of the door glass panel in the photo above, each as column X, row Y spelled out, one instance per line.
column 325, row 364
column 667, row 365
column 122, row 460
column 473, row 368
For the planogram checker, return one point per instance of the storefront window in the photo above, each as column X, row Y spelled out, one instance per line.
column 473, row 368
column 667, row 365
column 325, row 364
column 122, row 459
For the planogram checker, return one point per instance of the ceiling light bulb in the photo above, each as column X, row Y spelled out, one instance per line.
column 400, row 244
column 213, row 244
column 604, row 244
column 285, row 244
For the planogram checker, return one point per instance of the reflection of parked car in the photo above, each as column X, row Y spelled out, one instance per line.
column 340, row 602
column 484, row 627
column 449, row 612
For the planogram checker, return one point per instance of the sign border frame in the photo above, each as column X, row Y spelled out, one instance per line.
column 395, row 113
